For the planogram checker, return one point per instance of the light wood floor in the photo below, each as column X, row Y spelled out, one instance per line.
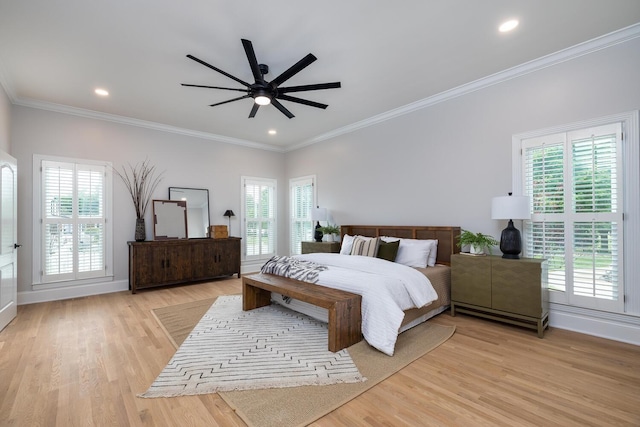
column 81, row 362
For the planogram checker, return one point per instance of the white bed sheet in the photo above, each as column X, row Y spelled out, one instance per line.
column 387, row 289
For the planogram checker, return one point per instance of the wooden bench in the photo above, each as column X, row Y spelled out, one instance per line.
column 345, row 320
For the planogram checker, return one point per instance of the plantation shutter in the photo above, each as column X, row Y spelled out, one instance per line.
column 91, row 243
column 302, row 201
column 73, row 221
column 544, row 183
column 260, row 217
column 576, row 223
column 597, row 229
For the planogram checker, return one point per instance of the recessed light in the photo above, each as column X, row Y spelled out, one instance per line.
column 272, row 132
column 101, row 92
column 508, row 25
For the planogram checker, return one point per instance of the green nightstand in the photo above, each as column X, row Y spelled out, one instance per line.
column 513, row 291
column 326, row 247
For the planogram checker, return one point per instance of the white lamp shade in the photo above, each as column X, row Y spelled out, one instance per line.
column 510, row 207
column 319, row 214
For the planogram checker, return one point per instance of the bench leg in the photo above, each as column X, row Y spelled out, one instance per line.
column 345, row 325
column 253, row 297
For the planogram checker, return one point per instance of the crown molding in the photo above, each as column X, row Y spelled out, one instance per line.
column 6, row 84
column 568, row 54
column 91, row 114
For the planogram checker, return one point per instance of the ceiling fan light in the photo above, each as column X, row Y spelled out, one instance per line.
column 262, row 100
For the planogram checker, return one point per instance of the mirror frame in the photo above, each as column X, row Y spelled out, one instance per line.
column 178, row 193
column 167, row 218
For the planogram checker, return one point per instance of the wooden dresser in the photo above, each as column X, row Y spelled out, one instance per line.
column 168, row 262
column 508, row 290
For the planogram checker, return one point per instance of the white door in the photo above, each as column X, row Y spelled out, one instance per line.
column 8, row 236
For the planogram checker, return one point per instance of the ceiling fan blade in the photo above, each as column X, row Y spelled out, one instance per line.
column 218, row 70
column 214, row 87
column 293, row 70
column 302, row 101
column 253, row 62
column 280, row 107
column 230, row 100
column 319, row 86
column 254, row 110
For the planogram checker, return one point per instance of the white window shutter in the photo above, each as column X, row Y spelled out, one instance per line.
column 260, row 217
column 302, row 196
column 73, row 225
column 573, row 181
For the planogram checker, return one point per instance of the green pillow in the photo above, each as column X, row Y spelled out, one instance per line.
column 388, row 250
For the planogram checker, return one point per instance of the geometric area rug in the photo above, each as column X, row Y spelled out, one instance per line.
column 269, row 347
column 300, row 406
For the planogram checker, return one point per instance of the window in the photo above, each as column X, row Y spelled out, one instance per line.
column 73, row 206
column 302, row 196
column 575, row 181
column 259, row 214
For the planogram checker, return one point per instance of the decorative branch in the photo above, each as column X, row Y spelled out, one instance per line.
column 141, row 183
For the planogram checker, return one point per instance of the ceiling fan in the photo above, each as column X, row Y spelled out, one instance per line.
column 264, row 92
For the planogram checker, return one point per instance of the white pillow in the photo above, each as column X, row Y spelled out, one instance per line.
column 413, row 253
column 433, row 253
column 347, row 244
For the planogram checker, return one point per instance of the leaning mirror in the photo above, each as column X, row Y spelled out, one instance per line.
column 169, row 219
column 197, row 209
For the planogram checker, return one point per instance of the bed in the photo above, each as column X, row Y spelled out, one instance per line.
column 438, row 274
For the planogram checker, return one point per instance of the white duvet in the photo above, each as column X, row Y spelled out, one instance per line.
column 387, row 290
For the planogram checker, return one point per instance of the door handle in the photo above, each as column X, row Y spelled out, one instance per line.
column 16, row 246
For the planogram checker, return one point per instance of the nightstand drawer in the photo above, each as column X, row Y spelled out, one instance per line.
column 471, row 280
column 327, row 247
column 520, row 287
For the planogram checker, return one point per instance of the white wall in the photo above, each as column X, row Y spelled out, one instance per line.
column 442, row 165
column 186, row 162
column 5, row 121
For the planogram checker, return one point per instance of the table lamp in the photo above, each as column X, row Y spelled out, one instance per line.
column 510, row 207
column 229, row 213
column 318, row 214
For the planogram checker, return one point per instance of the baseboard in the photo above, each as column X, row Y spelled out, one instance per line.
column 56, row 294
column 624, row 328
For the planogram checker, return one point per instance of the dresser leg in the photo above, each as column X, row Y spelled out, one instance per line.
column 540, row 328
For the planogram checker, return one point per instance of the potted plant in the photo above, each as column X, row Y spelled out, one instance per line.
column 477, row 242
column 330, row 230
column 141, row 181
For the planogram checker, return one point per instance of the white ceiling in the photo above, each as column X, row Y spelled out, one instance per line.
column 385, row 54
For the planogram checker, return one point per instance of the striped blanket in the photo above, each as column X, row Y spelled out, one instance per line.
column 294, row 268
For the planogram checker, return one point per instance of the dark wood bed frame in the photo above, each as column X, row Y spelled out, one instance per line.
column 344, row 307
column 447, row 237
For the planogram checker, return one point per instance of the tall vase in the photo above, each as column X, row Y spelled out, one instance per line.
column 141, row 233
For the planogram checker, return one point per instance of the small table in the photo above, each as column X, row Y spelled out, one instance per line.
column 344, row 308
column 326, row 247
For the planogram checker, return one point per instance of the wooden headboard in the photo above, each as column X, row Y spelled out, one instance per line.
column 447, row 237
